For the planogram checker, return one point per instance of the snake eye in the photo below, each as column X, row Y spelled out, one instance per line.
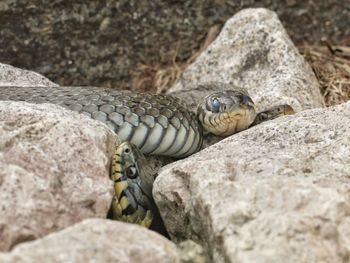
column 127, row 150
column 131, row 172
column 215, row 105
column 263, row 116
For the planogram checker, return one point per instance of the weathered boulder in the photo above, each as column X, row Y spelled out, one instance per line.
column 54, row 170
column 253, row 51
column 277, row 192
column 12, row 76
column 96, row 240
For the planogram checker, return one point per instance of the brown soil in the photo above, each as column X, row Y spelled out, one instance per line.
column 123, row 43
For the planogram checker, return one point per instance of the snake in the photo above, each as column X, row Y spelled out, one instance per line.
column 151, row 124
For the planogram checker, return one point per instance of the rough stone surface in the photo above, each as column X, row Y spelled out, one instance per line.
column 191, row 252
column 96, row 240
column 54, row 170
column 277, row 192
column 12, row 76
column 253, row 51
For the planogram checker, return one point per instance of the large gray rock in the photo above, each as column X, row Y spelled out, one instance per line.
column 54, row 170
column 96, row 240
column 12, row 76
column 277, row 192
column 253, row 51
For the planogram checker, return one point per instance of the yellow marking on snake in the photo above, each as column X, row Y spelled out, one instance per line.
column 117, row 210
column 132, row 200
column 117, row 169
column 124, row 202
column 148, row 220
column 119, row 187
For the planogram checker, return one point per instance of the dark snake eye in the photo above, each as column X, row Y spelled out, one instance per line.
column 215, row 105
column 131, row 172
column 263, row 116
column 127, row 150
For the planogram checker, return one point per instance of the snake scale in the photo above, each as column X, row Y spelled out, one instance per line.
column 150, row 124
column 156, row 124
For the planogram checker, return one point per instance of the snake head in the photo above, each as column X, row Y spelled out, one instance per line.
column 133, row 200
column 226, row 112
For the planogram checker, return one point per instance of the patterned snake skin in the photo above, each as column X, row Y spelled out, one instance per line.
column 156, row 124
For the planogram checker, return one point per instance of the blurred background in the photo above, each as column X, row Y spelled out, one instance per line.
column 147, row 44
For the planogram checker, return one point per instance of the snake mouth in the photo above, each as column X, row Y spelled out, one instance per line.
column 226, row 112
column 134, row 206
column 136, row 197
column 230, row 122
column 132, row 203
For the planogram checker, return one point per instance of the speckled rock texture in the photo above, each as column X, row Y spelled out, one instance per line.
column 12, row 76
column 96, row 240
column 191, row 252
column 54, row 170
column 277, row 192
column 253, row 51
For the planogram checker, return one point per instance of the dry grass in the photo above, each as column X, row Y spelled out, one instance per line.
column 157, row 77
column 162, row 75
column 331, row 66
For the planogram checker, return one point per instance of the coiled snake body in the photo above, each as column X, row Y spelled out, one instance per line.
column 156, row 124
